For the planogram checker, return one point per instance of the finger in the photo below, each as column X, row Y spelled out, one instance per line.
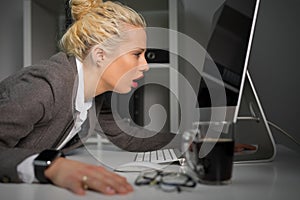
column 100, row 186
column 120, row 185
column 245, row 146
column 116, row 179
column 76, row 186
column 109, row 182
column 238, row 149
column 78, row 189
column 249, row 147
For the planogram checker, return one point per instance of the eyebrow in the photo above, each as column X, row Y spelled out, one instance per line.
column 139, row 49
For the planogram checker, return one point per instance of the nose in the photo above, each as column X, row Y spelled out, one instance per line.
column 144, row 65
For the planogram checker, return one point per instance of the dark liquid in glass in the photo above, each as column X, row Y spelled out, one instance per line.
column 217, row 164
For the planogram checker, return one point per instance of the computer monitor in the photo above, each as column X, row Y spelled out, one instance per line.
column 228, row 51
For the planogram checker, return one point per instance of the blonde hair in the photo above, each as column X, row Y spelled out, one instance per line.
column 97, row 22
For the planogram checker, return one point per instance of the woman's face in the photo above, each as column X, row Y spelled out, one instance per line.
column 128, row 64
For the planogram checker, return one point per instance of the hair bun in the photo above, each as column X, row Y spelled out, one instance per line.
column 80, row 8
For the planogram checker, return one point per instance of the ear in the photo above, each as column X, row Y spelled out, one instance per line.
column 97, row 55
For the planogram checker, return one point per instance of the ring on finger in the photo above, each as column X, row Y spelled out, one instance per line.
column 84, row 182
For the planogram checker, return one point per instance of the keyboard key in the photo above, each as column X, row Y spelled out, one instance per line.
column 153, row 156
column 139, row 157
column 147, row 156
column 158, row 156
column 167, row 154
column 172, row 152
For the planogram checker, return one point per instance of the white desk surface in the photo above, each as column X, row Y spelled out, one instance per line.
column 279, row 179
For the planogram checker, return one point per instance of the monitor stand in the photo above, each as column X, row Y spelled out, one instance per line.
column 252, row 127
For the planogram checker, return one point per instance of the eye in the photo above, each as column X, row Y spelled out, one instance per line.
column 137, row 54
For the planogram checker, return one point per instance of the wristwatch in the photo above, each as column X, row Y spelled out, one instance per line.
column 43, row 161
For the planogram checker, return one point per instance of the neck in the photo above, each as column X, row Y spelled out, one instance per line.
column 93, row 84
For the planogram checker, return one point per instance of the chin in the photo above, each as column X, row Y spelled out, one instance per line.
column 123, row 90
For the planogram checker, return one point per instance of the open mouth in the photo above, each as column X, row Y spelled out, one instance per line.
column 135, row 83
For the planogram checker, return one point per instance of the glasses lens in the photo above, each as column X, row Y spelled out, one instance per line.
column 146, row 178
column 141, row 181
column 150, row 174
column 174, row 179
column 169, row 188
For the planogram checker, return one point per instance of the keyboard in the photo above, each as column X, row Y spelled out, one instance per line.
column 158, row 156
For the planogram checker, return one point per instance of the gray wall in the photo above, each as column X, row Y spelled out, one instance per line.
column 274, row 64
column 11, row 37
column 44, row 30
column 274, row 61
column 44, row 35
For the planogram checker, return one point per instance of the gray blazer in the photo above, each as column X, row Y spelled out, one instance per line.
column 36, row 113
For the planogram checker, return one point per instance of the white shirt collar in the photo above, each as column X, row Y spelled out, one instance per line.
column 80, row 105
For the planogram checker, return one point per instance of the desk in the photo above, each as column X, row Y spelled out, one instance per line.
column 272, row 180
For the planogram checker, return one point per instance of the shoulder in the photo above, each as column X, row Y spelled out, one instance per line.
column 50, row 81
column 56, row 67
column 59, row 66
column 59, row 72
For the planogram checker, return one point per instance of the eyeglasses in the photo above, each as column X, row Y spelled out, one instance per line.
column 167, row 181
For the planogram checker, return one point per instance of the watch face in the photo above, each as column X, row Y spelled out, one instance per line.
column 46, row 157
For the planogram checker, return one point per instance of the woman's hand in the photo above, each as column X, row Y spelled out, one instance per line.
column 77, row 177
column 241, row 147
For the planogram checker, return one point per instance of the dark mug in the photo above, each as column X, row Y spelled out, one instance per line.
column 208, row 150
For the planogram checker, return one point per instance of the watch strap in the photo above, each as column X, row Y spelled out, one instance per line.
column 40, row 165
column 39, row 174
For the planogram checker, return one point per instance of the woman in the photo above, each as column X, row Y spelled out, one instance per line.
column 45, row 105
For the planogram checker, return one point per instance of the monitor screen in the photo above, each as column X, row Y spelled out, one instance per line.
column 227, row 50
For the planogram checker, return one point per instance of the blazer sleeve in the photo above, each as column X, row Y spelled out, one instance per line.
column 23, row 104
column 129, row 137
